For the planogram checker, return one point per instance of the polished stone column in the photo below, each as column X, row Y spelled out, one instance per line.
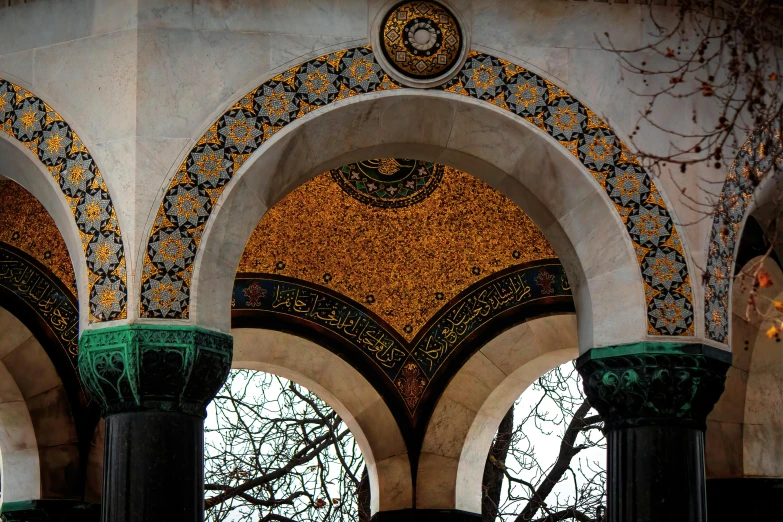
column 655, row 398
column 154, row 383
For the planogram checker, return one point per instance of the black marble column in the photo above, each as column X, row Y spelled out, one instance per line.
column 153, row 467
column 655, row 398
column 154, row 383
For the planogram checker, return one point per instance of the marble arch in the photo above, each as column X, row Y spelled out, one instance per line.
column 618, row 197
column 746, row 188
column 471, row 407
column 39, row 432
column 349, row 393
column 66, row 180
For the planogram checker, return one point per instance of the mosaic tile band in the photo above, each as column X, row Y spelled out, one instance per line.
column 32, row 122
column 752, row 164
column 197, row 185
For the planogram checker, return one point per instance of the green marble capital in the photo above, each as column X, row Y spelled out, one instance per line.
column 651, row 383
column 154, row 367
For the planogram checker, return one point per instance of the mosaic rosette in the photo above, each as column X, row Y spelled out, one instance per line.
column 752, row 164
column 421, row 40
column 324, row 80
column 389, row 182
column 32, row 122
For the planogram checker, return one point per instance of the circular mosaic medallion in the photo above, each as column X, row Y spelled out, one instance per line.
column 389, row 182
column 422, row 40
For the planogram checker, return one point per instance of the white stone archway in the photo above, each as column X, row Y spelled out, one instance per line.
column 508, row 153
column 19, row 463
column 348, row 393
column 469, row 411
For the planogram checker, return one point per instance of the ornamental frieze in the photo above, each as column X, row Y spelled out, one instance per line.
column 408, row 366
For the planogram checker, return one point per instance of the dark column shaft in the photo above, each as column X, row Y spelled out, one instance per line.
column 656, row 474
column 153, row 468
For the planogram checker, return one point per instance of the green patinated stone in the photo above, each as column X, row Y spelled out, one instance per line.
column 654, row 383
column 154, row 367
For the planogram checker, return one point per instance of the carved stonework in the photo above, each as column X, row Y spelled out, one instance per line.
column 154, row 368
column 654, row 384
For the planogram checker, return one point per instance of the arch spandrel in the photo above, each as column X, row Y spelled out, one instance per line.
column 31, row 124
column 264, row 112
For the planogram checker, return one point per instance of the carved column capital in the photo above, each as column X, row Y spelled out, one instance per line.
column 647, row 384
column 154, row 367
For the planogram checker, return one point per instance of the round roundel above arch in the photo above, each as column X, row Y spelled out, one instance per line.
column 196, row 187
column 422, row 42
column 756, row 158
column 37, row 126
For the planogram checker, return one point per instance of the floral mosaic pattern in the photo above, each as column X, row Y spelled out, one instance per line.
column 421, row 39
column 307, row 87
column 753, row 163
column 31, row 121
column 389, row 182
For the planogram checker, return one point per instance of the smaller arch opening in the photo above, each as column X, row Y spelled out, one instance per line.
column 275, row 448
column 547, row 460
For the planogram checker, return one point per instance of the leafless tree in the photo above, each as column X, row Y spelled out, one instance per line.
column 520, row 484
column 276, row 452
column 720, row 60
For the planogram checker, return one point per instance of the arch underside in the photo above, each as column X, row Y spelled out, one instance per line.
column 289, row 97
column 744, row 431
column 38, row 351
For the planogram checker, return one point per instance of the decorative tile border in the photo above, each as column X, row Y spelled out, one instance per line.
column 753, row 162
column 409, row 366
column 229, row 142
column 31, row 121
column 45, row 295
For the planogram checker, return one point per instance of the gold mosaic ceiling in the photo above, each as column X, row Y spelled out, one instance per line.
column 26, row 225
column 402, row 263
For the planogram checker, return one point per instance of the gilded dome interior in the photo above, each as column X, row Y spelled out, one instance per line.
column 403, row 263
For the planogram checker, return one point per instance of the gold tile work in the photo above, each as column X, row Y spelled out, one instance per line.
column 404, row 264
column 26, row 225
